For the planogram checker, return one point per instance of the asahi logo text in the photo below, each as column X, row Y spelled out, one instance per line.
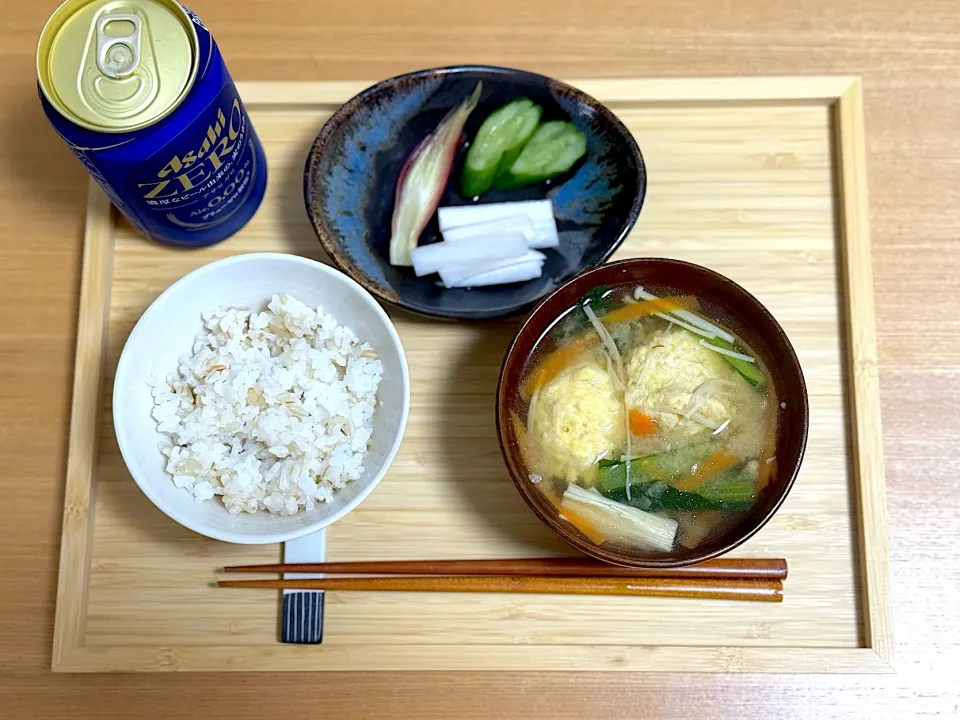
column 184, row 173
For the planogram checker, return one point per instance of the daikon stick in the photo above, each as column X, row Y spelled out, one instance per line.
column 518, row 272
column 457, row 273
column 546, row 234
column 540, row 234
column 428, row 259
column 539, row 213
column 513, row 223
column 459, row 215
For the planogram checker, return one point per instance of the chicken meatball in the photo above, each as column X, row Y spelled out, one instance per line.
column 577, row 420
column 664, row 374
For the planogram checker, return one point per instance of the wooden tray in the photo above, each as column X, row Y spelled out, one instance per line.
column 762, row 179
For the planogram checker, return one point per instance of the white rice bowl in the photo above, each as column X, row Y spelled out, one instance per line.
column 278, row 419
column 273, row 409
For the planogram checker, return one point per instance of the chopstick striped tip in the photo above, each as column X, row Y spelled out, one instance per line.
column 302, row 621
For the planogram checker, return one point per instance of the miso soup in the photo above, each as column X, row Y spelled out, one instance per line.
column 648, row 424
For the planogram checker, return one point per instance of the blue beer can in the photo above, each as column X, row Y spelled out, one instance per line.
column 139, row 91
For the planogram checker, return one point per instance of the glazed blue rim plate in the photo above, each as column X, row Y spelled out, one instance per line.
column 351, row 174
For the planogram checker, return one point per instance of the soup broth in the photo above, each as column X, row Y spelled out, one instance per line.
column 647, row 424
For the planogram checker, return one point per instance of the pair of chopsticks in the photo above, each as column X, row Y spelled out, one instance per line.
column 724, row 579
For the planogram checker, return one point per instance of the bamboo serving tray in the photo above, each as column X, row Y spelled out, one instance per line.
column 762, row 179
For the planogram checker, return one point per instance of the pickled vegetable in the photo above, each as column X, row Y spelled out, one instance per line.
column 498, row 144
column 554, row 148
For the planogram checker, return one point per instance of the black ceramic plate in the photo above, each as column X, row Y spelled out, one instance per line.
column 351, row 175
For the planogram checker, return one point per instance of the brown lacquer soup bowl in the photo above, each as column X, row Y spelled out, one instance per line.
column 690, row 367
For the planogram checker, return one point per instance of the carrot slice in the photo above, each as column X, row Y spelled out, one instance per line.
column 556, row 362
column 641, row 423
column 718, row 462
column 592, row 532
column 634, row 311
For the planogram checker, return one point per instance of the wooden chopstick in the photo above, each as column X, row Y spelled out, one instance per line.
column 725, row 568
column 714, row 589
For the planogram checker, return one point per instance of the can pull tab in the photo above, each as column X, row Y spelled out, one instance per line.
column 118, row 44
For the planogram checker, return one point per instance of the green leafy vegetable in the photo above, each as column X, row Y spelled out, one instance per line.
column 654, row 496
column 734, row 490
column 733, row 486
column 750, row 372
column 599, row 299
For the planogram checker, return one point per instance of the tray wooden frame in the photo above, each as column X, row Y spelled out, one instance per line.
column 844, row 96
